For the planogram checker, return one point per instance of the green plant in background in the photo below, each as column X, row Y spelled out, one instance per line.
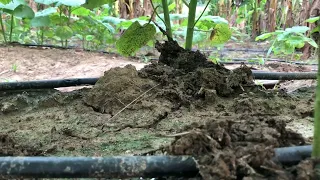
column 248, row 12
column 220, row 31
column 55, row 22
column 42, row 21
column 135, row 37
column 93, row 32
column 14, row 68
column 15, row 9
column 76, row 20
column 288, row 40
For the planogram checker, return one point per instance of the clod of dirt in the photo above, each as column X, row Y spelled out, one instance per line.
column 184, row 76
column 280, row 67
column 15, row 104
column 175, row 56
column 116, row 89
column 195, row 72
column 8, row 147
column 233, row 149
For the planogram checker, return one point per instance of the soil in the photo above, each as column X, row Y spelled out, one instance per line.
column 174, row 106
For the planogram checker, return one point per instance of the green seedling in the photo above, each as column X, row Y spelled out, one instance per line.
column 217, row 26
column 14, row 68
column 287, row 41
column 16, row 9
column 259, row 83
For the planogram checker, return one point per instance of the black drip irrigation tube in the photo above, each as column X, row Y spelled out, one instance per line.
column 247, row 61
column 74, row 47
column 224, row 61
column 121, row 167
column 97, row 167
column 50, row 84
column 271, row 60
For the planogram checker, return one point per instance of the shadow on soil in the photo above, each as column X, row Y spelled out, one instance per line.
column 181, row 105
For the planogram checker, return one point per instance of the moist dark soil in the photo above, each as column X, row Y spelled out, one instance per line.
column 181, row 105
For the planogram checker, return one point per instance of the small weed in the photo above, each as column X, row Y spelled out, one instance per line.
column 14, row 68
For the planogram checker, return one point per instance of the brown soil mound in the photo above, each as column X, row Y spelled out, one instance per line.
column 181, row 105
column 236, row 147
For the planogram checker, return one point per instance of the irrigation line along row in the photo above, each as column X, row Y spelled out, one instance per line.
column 251, row 61
column 224, row 61
column 121, row 167
column 50, row 84
column 273, row 60
column 74, row 47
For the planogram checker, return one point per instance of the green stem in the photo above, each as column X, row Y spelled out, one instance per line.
column 191, row 19
column 42, row 35
column 68, row 23
column 154, row 9
column 202, row 12
column 185, row 3
column 167, row 17
column 2, row 27
column 316, row 135
column 11, row 28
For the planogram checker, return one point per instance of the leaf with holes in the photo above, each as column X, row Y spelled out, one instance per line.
column 134, row 38
column 221, row 34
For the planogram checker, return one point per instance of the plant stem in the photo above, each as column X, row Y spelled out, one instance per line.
column 68, row 23
column 42, row 34
column 2, row 28
column 316, row 135
column 154, row 9
column 185, row 3
column 191, row 19
column 11, row 28
column 167, row 17
column 202, row 12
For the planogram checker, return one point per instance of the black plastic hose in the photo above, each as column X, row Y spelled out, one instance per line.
column 74, row 47
column 47, row 84
column 50, row 84
column 283, row 75
column 121, row 167
column 202, row 50
column 292, row 155
column 97, row 167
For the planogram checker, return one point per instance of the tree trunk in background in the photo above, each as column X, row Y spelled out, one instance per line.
column 289, row 19
column 228, row 9
column 130, row 8
column 123, row 9
column 271, row 12
column 33, row 5
column 271, row 8
column 255, row 20
column 304, row 13
column 179, row 6
column 233, row 17
column 309, row 9
column 263, row 23
column 315, row 9
column 222, row 9
column 147, row 8
column 137, row 9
